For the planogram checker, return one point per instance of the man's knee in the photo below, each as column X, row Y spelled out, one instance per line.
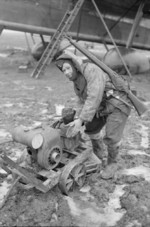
column 115, row 128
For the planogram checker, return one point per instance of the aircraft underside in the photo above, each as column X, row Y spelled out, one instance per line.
column 44, row 16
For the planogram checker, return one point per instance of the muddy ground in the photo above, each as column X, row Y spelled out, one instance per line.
column 123, row 201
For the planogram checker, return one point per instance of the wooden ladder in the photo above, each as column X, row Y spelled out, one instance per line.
column 52, row 47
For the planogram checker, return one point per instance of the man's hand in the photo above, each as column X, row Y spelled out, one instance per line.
column 74, row 127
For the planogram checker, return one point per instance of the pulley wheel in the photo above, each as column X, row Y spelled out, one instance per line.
column 50, row 158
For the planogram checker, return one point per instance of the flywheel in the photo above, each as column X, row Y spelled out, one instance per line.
column 50, row 158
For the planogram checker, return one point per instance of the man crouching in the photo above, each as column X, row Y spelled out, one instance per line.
column 99, row 107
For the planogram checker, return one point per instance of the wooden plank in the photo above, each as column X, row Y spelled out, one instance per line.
column 5, row 168
column 65, row 160
column 8, row 193
column 52, row 180
column 24, row 173
column 71, row 152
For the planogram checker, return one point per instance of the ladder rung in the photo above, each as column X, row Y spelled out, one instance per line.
column 52, row 47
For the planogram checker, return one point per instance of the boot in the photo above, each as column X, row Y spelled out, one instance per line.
column 99, row 150
column 111, row 168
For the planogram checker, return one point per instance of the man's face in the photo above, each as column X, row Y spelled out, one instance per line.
column 69, row 71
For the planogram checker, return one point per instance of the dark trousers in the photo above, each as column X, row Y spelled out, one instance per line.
column 114, row 126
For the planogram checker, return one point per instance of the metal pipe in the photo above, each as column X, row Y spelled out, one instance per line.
column 27, row 42
column 135, row 24
column 47, row 31
column 100, row 15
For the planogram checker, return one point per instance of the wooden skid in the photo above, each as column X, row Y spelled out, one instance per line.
column 52, row 178
column 29, row 177
column 8, row 193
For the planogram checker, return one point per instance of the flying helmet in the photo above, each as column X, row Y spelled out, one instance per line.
column 68, row 56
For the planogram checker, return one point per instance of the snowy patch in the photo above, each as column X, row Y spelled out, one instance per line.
column 138, row 171
column 4, row 133
column 7, row 105
column 88, row 213
column 3, row 55
column 15, row 154
column 3, row 190
column 27, row 87
column 49, row 88
column 59, row 108
column 137, row 152
column 45, row 111
column 144, row 136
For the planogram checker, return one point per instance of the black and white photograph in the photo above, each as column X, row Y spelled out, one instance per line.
column 75, row 113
